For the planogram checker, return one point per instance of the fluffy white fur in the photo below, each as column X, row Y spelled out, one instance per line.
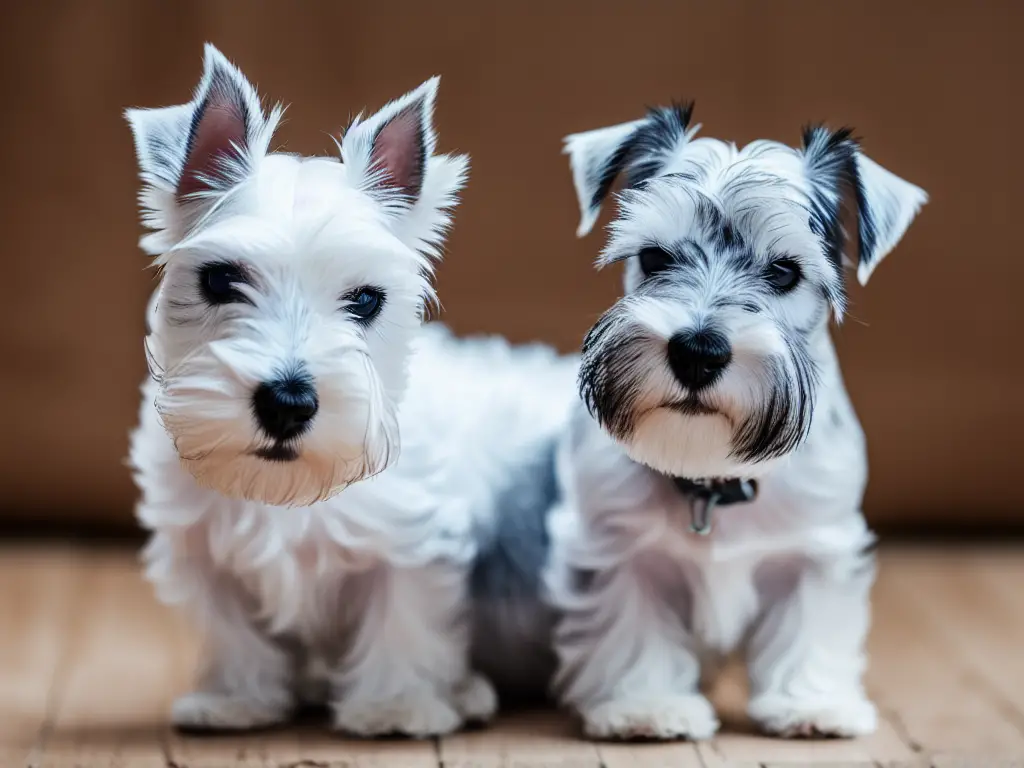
column 336, row 572
column 647, row 604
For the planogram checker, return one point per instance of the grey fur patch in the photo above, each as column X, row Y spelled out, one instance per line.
column 511, row 624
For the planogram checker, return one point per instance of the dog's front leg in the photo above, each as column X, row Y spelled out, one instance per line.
column 407, row 670
column 626, row 658
column 245, row 678
column 806, row 658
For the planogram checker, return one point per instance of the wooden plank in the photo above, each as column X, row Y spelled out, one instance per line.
column 738, row 743
column 37, row 587
column 974, row 610
column 679, row 755
column 920, row 675
column 541, row 739
column 945, row 668
column 966, row 600
column 316, row 747
column 118, row 676
column 975, row 762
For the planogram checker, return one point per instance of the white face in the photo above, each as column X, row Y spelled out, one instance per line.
column 291, row 289
column 733, row 263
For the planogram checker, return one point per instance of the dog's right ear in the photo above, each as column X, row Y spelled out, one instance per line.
column 640, row 147
column 596, row 158
column 204, row 147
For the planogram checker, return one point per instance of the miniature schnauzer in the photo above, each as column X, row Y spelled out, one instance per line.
column 714, row 472
column 318, row 470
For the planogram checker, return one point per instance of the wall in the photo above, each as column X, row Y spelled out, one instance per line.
column 930, row 348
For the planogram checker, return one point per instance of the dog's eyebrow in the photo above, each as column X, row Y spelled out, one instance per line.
column 689, row 251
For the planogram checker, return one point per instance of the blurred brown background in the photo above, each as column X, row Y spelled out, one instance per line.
column 934, row 89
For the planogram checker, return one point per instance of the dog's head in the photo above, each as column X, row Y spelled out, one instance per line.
column 291, row 286
column 709, row 366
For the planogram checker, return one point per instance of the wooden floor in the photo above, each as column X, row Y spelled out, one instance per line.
column 89, row 664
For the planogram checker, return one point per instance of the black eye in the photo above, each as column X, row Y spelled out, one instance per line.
column 218, row 281
column 783, row 275
column 654, row 260
column 365, row 303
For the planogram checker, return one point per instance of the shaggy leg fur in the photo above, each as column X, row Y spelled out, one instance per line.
column 245, row 678
column 807, row 656
column 407, row 672
column 626, row 659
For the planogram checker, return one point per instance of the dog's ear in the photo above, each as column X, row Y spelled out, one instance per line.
column 639, row 148
column 851, row 185
column 391, row 154
column 205, row 146
column 210, row 143
column 390, row 149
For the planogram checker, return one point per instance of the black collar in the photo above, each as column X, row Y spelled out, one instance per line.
column 710, row 493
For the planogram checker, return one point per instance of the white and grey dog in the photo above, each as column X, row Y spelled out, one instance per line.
column 712, row 493
column 319, row 472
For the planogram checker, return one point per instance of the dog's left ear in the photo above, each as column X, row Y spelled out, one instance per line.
column 390, row 149
column 391, row 155
column 849, row 182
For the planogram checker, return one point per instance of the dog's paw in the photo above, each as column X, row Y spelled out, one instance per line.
column 417, row 712
column 475, row 699
column 202, row 711
column 838, row 717
column 652, row 717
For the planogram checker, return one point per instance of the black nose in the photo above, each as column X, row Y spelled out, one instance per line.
column 285, row 407
column 697, row 358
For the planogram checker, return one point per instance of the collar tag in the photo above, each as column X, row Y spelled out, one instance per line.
column 706, row 495
column 700, row 514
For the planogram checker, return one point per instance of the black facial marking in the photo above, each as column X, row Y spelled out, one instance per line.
column 690, row 252
column 784, row 421
column 717, row 230
column 610, row 379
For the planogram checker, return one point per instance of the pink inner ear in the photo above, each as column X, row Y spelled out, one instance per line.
column 398, row 151
column 220, row 125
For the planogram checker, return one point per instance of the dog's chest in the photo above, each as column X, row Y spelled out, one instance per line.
column 749, row 560
column 300, row 582
column 724, row 603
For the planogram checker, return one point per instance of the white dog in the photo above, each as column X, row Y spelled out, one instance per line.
column 712, row 494
column 289, row 372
